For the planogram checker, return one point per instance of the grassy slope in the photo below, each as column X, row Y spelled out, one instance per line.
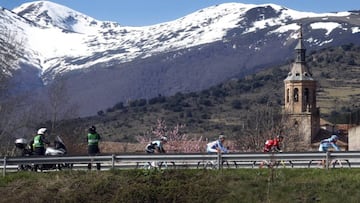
column 240, row 185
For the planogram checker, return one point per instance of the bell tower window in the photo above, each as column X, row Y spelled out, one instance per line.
column 306, row 95
column 287, row 95
column 296, row 95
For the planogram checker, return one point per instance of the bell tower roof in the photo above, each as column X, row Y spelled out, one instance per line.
column 299, row 70
column 300, row 49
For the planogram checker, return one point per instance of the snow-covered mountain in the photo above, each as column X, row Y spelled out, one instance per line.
column 191, row 53
column 65, row 39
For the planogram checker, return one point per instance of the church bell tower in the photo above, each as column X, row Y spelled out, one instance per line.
column 300, row 96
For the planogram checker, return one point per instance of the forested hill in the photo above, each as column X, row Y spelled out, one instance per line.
column 228, row 107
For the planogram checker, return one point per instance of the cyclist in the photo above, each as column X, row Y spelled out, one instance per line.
column 157, row 145
column 217, row 145
column 272, row 145
column 325, row 144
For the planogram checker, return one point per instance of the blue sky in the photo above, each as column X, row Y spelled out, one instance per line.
column 149, row 12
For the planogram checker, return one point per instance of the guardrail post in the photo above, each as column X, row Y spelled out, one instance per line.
column 4, row 165
column 112, row 161
column 219, row 160
column 327, row 160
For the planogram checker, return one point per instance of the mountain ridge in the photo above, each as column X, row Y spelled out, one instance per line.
column 191, row 53
column 52, row 15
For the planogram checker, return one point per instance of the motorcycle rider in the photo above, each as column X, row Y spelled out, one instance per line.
column 39, row 142
column 93, row 139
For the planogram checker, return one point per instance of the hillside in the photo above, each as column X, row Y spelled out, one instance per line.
column 228, row 106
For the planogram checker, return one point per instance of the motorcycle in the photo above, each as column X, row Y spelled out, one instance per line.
column 25, row 151
column 59, row 149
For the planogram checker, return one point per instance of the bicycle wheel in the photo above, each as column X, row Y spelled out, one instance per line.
column 319, row 164
column 283, row 164
column 166, row 165
column 340, row 163
column 210, row 165
column 204, row 165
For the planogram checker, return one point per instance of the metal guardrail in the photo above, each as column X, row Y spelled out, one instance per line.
column 236, row 160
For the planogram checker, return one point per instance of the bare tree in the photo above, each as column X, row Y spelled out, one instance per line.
column 10, row 51
column 59, row 106
column 262, row 123
column 266, row 122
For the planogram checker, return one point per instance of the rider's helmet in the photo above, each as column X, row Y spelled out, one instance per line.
column 334, row 138
column 42, row 131
column 164, row 138
column 279, row 137
column 92, row 129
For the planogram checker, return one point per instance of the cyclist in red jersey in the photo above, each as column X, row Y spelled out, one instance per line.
column 272, row 145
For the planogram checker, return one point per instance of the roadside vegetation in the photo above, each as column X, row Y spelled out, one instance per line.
column 231, row 185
